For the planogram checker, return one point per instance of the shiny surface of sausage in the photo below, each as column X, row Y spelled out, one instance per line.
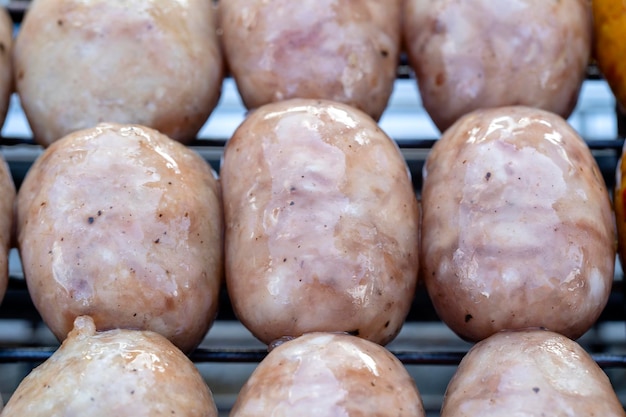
column 342, row 50
column 517, row 228
column 113, row 373
column 479, row 53
column 153, row 63
column 334, row 375
column 321, row 223
column 529, row 373
column 124, row 224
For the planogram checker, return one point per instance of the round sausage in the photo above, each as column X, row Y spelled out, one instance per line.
column 341, row 50
column 113, row 373
column 7, row 202
column 123, row 224
column 153, row 63
column 517, row 226
column 529, row 373
column 477, row 54
column 321, row 223
column 324, row 374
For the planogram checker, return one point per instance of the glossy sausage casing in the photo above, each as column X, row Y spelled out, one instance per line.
column 529, row 373
column 324, row 374
column 321, row 223
column 153, row 63
column 114, row 373
column 517, row 226
column 342, row 50
column 475, row 54
column 123, row 224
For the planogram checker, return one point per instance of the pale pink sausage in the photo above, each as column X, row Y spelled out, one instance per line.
column 529, row 373
column 120, row 373
column 321, row 223
column 148, row 62
column 517, row 226
column 342, row 50
column 325, row 374
column 123, row 224
column 475, row 54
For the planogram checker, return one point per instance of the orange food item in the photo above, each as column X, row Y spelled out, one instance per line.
column 619, row 200
column 609, row 48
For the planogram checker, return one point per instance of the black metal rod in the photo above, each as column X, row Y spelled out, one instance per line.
column 202, row 355
column 219, row 143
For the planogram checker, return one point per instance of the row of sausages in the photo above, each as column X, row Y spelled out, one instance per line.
column 133, row 372
column 316, row 207
column 161, row 64
column 316, row 225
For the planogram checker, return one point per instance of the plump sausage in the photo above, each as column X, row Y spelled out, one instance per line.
column 475, row 54
column 517, row 225
column 113, row 373
column 7, row 202
column 123, row 224
column 153, row 63
column 529, row 373
column 324, row 374
column 342, row 50
column 321, row 223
